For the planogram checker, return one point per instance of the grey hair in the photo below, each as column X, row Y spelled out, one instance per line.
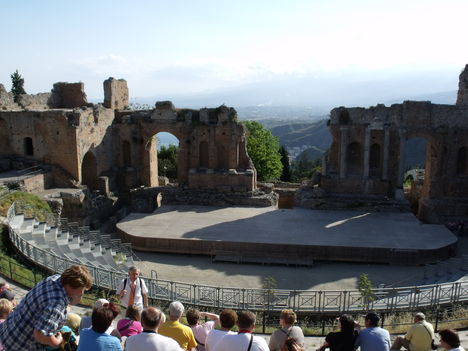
column 176, row 309
column 133, row 268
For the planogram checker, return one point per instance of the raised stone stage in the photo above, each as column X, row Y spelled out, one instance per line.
column 272, row 235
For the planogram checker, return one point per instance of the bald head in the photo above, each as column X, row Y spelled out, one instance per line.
column 151, row 318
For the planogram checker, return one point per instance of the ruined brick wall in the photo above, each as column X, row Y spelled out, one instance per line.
column 50, row 137
column 212, row 152
column 367, row 153
column 69, row 95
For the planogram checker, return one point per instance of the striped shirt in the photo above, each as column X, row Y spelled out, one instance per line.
column 44, row 308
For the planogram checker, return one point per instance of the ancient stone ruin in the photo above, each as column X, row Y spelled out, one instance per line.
column 367, row 158
column 105, row 146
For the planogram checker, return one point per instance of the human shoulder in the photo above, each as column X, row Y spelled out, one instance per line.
column 260, row 342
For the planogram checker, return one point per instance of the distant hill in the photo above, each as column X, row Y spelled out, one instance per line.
column 314, row 134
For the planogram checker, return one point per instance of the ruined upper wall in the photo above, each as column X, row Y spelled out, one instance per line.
column 462, row 96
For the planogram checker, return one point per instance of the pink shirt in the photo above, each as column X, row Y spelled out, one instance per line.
column 128, row 327
column 200, row 331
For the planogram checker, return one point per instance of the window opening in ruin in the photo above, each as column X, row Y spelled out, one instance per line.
column 461, row 161
column 28, row 147
column 4, row 137
column 89, row 171
column 222, row 157
column 203, row 155
column 126, row 154
column 415, row 154
column 375, row 161
column 354, row 158
column 167, row 148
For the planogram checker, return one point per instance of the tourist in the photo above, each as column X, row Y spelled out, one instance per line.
column 149, row 339
column 130, row 325
column 174, row 329
column 244, row 339
column 6, row 293
column 5, row 308
column 96, row 338
column 133, row 290
column 201, row 330
column 43, row 311
column 450, row 341
column 278, row 338
column 86, row 321
column 419, row 337
column 373, row 338
column 227, row 319
column 343, row 340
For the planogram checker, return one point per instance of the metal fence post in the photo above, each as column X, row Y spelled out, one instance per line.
column 264, row 322
column 437, row 320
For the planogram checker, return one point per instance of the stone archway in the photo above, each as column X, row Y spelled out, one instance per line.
column 89, row 171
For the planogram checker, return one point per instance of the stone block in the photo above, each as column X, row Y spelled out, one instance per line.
column 115, row 94
column 69, row 95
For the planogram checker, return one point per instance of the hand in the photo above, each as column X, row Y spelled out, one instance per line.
column 58, row 338
column 123, row 293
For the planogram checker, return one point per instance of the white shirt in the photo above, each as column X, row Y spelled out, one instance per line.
column 240, row 342
column 138, row 297
column 150, row 341
column 213, row 338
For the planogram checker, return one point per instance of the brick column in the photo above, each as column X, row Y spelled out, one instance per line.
column 385, row 152
column 366, row 152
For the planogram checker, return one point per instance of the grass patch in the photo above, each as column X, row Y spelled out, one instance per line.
column 29, row 204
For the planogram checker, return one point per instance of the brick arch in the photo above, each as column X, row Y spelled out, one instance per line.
column 89, row 171
column 354, row 158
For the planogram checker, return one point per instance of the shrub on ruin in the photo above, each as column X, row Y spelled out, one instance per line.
column 17, row 85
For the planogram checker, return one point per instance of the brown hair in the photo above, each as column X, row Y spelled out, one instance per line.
column 5, row 307
column 133, row 312
column 288, row 316
column 102, row 318
column 151, row 317
column 246, row 319
column 228, row 318
column 77, row 277
column 291, row 345
column 450, row 336
column 193, row 316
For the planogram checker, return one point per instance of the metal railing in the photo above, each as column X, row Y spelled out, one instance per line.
column 313, row 301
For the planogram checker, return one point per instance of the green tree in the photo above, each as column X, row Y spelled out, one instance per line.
column 17, row 85
column 286, row 174
column 365, row 288
column 263, row 149
column 303, row 168
column 167, row 161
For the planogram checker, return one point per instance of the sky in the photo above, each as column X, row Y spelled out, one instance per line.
column 293, row 50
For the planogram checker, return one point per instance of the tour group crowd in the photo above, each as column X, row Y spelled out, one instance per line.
column 42, row 321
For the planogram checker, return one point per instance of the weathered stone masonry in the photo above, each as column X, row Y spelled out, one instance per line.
column 103, row 145
column 366, row 157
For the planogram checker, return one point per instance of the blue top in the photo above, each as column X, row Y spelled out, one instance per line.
column 44, row 308
column 373, row 339
column 91, row 340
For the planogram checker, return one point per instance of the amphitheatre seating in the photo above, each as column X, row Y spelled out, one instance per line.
column 74, row 243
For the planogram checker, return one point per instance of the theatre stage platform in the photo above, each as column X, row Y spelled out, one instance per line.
column 272, row 235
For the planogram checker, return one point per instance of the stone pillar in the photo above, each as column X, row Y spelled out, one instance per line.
column 343, row 149
column 149, row 175
column 183, row 161
column 385, row 152
column 401, row 163
column 366, row 152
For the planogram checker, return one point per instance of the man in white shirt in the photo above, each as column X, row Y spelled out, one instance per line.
column 149, row 339
column 133, row 290
column 243, row 340
column 227, row 319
